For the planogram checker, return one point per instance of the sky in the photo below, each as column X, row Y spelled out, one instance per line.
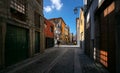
column 64, row 9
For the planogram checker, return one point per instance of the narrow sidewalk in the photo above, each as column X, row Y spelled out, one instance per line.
column 87, row 65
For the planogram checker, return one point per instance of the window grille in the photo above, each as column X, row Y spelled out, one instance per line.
column 18, row 5
column 18, row 9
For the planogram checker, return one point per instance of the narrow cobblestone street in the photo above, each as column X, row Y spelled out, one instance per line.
column 59, row 36
column 62, row 59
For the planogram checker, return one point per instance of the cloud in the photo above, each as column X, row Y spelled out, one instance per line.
column 55, row 4
column 47, row 9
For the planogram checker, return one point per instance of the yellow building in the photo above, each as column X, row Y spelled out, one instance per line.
column 77, row 31
column 67, row 37
column 81, row 19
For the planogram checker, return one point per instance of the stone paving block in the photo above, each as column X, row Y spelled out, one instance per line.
column 89, row 66
column 66, row 64
column 60, row 60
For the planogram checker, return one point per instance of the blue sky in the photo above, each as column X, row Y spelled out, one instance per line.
column 64, row 9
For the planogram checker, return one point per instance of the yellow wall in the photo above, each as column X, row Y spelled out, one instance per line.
column 81, row 25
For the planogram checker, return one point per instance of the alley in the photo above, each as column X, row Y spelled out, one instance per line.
column 61, row 59
column 59, row 36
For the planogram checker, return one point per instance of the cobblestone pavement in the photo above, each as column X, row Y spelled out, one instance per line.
column 88, row 66
column 65, row 64
column 59, row 60
column 44, row 63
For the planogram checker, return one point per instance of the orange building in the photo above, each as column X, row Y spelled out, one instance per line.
column 49, row 34
column 63, row 37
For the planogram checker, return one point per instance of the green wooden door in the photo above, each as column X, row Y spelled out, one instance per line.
column 16, row 45
column 37, row 42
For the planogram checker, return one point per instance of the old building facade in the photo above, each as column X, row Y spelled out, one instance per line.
column 49, row 33
column 57, row 29
column 78, row 31
column 21, row 27
column 81, row 22
column 107, row 26
column 101, row 32
column 63, row 36
column 67, row 35
column 60, row 30
column 71, row 38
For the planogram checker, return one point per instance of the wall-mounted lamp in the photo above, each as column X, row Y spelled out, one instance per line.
column 76, row 9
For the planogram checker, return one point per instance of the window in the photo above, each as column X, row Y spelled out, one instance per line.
column 45, row 24
column 18, row 9
column 36, row 19
column 59, row 26
column 18, row 5
column 51, row 29
column 81, row 22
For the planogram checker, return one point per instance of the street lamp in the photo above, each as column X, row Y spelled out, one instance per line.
column 76, row 9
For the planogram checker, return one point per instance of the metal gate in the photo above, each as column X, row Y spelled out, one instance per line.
column 16, row 45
